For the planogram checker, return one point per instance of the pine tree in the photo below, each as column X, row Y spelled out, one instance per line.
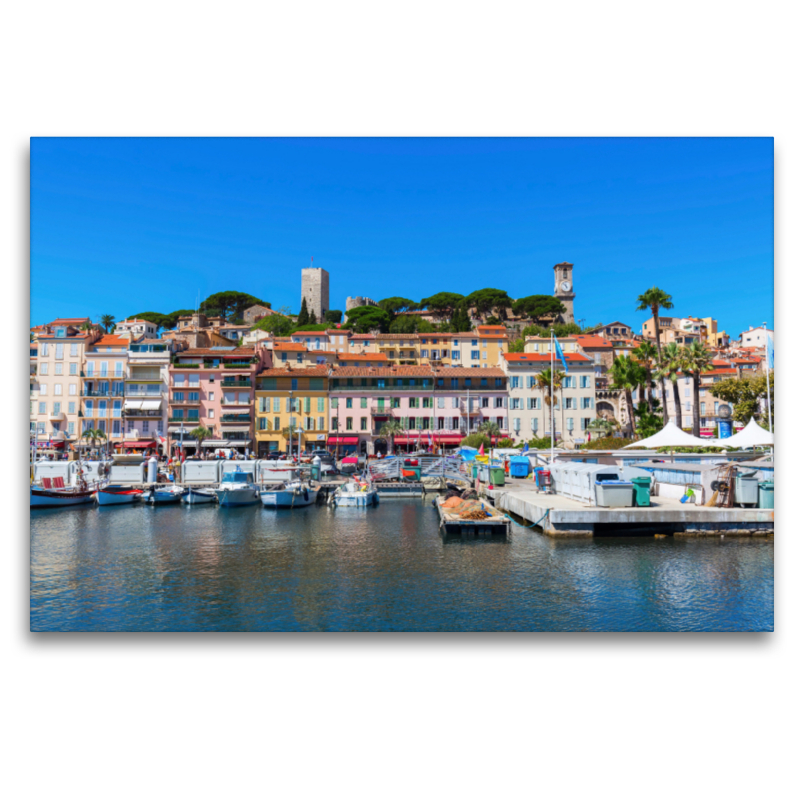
column 312, row 319
column 302, row 318
column 460, row 321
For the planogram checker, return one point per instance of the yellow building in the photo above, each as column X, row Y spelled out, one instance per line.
column 291, row 398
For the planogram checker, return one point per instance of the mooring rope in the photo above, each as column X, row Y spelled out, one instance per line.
column 533, row 524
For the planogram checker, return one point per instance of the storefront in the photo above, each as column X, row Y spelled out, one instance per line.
column 144, row 446
column 429, row 441
column 343, row 445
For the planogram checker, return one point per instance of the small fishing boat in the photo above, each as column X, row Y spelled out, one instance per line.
column 160, row 494
column 47, row 495
column 355, row 493
column 196, row 496
column 289, row 495
column 237, row 489
column 114, row 495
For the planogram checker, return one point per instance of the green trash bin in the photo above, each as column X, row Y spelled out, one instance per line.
column 474, row 469
column 498, row 476
column 766, row 494
column 641, row 491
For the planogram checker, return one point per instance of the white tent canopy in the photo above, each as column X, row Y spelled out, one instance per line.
column 752, row 435
column 671, row 436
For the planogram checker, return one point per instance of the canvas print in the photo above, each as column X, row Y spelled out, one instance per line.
column 401, row 384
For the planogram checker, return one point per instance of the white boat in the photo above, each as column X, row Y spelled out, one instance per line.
column 69, row 496
column 161, row 494
column 237, row 489
column 115, row 495
column 195, row 496
column 355, row 493
column 295, row 494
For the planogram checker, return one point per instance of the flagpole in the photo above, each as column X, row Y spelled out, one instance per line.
column 552, row 409
column 766, row 353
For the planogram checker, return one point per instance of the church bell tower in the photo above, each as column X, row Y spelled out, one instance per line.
column 565, row 291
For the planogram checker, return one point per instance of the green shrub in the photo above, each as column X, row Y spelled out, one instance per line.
column 476, row 440
column 502, row 443
column 606, row 443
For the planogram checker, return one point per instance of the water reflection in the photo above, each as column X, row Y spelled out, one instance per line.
column 385, row 568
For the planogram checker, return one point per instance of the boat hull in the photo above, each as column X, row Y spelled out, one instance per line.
column 162, row 497
column 288, row 499
column 237, row 497
column 197, row 496
column 361, row 499
column 107, row 497
column 46, row 498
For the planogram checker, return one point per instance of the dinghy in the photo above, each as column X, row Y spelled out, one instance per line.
column 161, row 494
column 295, row 494
column 195, row 496
column 117, row 495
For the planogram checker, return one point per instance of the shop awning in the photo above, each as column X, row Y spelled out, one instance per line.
column 424, row 439
column 136, row 443
column 151, row 405
column 343, row 440
column 133, row 405
column 236, row 429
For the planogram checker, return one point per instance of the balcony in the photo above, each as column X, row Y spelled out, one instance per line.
column 185, row 420
column 235, row 418
column 152, row 395
column 104, row 376
column 57, row 416
column 98, row 393
column 181, row 403
column 236, row 383
column 138, row 412
column 240, row 365
column 240, row 403
column 381, row 410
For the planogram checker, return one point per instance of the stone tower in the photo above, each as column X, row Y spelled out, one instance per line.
column 565, row 291
column 314, row 288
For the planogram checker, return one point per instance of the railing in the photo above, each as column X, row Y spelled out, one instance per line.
column 97, row 393
column 235, row 418
column 104, row 375
column 133, row 412
column 189, row 420
column 238, row 365
column 235, row 382
column 174, row 402
column 152, row 395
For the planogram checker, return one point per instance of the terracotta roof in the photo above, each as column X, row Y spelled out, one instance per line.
column 289, row 346
column 593, row 341
column 361, row 356
column 387, row 372
column 320, row 370
column 110, row 339
column 226, row 353
column 70, row 321
column 339, row 331
column 363, row 336
column 491, row 329
column 469, row 372
column 730, row 371
column 540, row 357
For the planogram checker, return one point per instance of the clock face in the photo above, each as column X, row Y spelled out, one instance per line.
column 565, row 286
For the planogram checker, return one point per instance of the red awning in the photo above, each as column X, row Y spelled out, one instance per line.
column 343, row 440
column 139, row 443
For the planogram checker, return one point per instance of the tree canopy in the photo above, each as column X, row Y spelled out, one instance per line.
column 333, row 316
column 442, row 304
column 364, row 319
column 486, row 300
column 394, row 305
column 745, row 395
column 537, row 307
column 230, row 305
column 412, row 324
column 303, row 317
column 276, row 324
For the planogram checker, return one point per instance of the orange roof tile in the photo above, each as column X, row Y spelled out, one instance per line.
column 109, row 340
column 593, row 341
column 283, row 372
column 289, row 346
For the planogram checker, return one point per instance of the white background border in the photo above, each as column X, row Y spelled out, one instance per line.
column 653, row 716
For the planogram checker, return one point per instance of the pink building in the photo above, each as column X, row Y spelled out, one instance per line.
column 436, row 407
column 214, row 388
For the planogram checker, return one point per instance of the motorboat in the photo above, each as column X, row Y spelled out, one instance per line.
column 50, row 495
column 195, row 496
column 237, row 489
column 159, row 494
column 293, row 494
column 117, row 495
column 355, row 493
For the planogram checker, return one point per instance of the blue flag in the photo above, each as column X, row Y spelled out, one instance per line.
column 770, row 353
column 560, row 354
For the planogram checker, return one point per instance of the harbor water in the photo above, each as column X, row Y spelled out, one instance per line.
column 204, row 568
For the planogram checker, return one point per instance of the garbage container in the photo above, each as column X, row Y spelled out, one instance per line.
column 520, row 467
column 641, row 491
column 746, row 489
column 474, row 469
column 766, row 494
column 614, row 494
column 484, row 474
column 497, row 476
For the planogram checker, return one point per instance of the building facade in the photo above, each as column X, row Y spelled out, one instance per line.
column 435, row 407
column 103, row 389
column 573, row 406
column 214, row 388
column 291, row 400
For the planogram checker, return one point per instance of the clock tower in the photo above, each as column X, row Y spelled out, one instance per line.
column 565, row 291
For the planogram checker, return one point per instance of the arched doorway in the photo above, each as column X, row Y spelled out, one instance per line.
column 605, row 409
column 363, row 447
column 381, row 447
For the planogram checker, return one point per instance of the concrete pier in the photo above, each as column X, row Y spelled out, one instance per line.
column 562, row 516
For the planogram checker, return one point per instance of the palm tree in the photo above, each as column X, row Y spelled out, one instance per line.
column 107, row 320
column 626, row 375
column 87, row 326
column 654, row 300
column 200, row 434
column 543, row 385
column 391, row 428
column 603, row 426
column 490, row 429
column 94, row 435
column 670, row 365
column 696, row 359
column 647, row 356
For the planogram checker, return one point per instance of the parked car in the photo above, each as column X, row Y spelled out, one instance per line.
column 324, row 456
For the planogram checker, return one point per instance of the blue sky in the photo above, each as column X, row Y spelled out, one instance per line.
column 121, row 226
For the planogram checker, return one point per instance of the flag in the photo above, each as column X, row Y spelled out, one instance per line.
column 560, row 354
column 770, row 353
column 525, row 449
column 480, row 452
